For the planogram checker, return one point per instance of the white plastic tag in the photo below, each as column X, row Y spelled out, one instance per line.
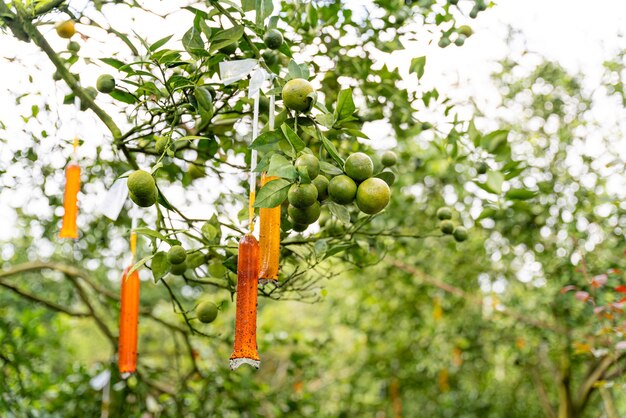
column 114, row 200
column 231, row 71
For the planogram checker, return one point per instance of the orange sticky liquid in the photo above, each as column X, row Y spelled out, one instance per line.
column 269, row 236
column 247, row 284
column 70, row 202
column 129, row 319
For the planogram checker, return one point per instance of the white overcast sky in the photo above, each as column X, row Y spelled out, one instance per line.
column 579, row 34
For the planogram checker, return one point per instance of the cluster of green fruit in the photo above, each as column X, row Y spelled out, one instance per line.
column 356, row 184
column 446, row 226
column 462, row 33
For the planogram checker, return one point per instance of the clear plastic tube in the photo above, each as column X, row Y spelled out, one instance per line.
column 245, row 350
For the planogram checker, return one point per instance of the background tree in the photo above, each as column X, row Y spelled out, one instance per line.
column 413, row 322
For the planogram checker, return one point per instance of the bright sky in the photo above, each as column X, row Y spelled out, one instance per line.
column 573, row 32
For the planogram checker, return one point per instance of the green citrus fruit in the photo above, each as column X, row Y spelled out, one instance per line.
column 482, row 168
column 270, row 57
column 389, row 158
column 176, row 255
column 296, row 95
column 230, row 49
column 311, row 163
column 73, row 46
column 373, row 195
column 321, row 184
column 300, row 227
column 206, row 312
column 342, row 189
column 446, row 226
column 178, row 269
column 161, row 144
column 105, row 83
column 444, row 42
column 65, row 29
column 273, row 39
column 460, row 234
column 196, row 170
column 142, row 188
column 359, row 166
column 302, row 195
column 444, row 213
column 304, row 216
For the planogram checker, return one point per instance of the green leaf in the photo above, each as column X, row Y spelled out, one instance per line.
column 192, row 42
column 327, row 120
column 294, row 70
column 248, row 5
column 417, row 66
column 160, row 266
column 158, row 44
column 345, row 105
column 281, row 167
column 267, row 141
column 328, row 168
column 473, row 133
column 264, row 8
column 520, row 194
column 332, row 151
column 123, row 96
column 195, row 260
column 226, row 37
column 292, row 137
column 113, row 62
column 335, row 249
column 494, row 181
column 339, row 211
column 493, row 141
column 138, row 264
column 272, row 194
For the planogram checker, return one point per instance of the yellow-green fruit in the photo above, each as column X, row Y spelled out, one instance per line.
column 447, row 227
column 460, row 234
column 105, row 83
column 465, row 30
column 296, row 95
column 359, row 166
column 176, row 255
column 161, row 144
column 196, row 170
column 273, row 39
column 310, row 163
column 73, row 46
column 389, row 158
column 178, row 269
column 444, row 213
column 65, row 29
column 321, row 184
column 304, row 216
column 302, row 195
column 300, row 227
column 206, row 312
column 373, row 195
column 142, row 188
column 270, row 57
column 342, row 189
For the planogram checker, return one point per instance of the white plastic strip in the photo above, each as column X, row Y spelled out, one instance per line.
column 232, row 71
column 113, row 202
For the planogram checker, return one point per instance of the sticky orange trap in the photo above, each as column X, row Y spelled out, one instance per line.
column 246, row 351
column 269, row 236
column 129, row 319
column 70, row 202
